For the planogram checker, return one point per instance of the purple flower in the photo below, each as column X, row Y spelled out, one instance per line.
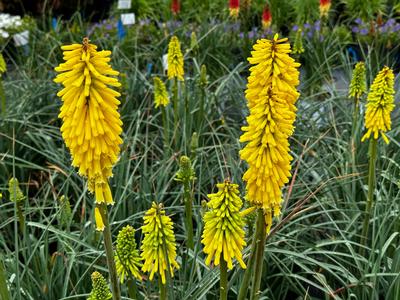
column 317, row 25
column 364, row 31
column 251, row 34
column 295, row 28
column 358, row 21
column 310, row 34
column 241, row 35
column 355, row 29
column 307, row 26
column 396, row 28
column 109, row 27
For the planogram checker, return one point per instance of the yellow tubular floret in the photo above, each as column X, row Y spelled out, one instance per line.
column 271, row 94
column 380, row 103
column 91, row 125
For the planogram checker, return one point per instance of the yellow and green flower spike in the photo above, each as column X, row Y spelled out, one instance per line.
column 91, row 123
column 271, row 94
column 223, row 235
column 298, row 43
column 127, row 257
column 158, row 246
column 3, row 66
column 380, row 103
column 15, row 191
column 160, row 93
column 100, row 290
column 175, row 59
column 358, row 84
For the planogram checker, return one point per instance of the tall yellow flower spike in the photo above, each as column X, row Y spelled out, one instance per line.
column 159, row 240
column 223, row 233
column 91, row 123
column 175, row 59
column 380, row 103
column 160, row 93
column 271, row 94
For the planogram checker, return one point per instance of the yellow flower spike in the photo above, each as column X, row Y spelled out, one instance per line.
column 271, row 94
column 160, row 93
column 223, row 233
column 91, row 125
column 127, row 258
column 175, row 59
column 3, row 66
column 358, row 85
column 159, row 240
column 380, row 103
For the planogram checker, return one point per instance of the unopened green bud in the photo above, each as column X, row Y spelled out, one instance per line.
column 186, row 172
column 194, row 45
column 16, row 194
column 203, row 76
column 100, row 290
column 65, row 210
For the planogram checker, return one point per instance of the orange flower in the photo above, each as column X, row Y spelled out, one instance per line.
column 234, row 8
column 266, row 17
column 324, row 6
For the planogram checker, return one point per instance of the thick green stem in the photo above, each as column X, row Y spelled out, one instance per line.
column 244, row 287
column 2, row 98
column 132, row 288
column 165, row 127
column 21, row 218
column 163, row 290
column 188, row 215
column 371, row 189
column 109, row 252
column 175, row 102
column 223, row 286
column 259, row 258
column 4, row 293
column 353, row 148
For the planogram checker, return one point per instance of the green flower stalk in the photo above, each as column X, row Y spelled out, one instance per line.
column 380, row 103
column 100, row 290
column 203, row 82
column 298, row 43
column 18, row 198
column 3, row 69
column 358, row 86
column 223, row 235
column 127, row 257
column 159, row 246
column 186, row 176
column 161, row 99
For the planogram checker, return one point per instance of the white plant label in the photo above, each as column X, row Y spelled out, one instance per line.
column 165, row 62
column 124, row 4
column 128, row 19
column 22, row 38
